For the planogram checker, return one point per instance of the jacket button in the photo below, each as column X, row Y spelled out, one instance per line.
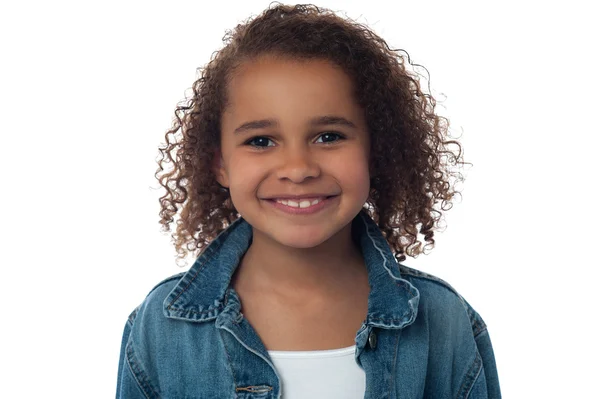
column 372, row 339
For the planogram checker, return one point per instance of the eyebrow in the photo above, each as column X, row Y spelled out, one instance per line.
column 326, row 120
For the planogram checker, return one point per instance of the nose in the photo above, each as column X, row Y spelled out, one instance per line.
column 298, row 164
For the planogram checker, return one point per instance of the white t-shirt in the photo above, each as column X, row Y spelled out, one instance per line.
column 329, row 374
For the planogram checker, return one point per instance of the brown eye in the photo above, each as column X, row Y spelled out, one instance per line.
column 330, row 137
column 258, row 141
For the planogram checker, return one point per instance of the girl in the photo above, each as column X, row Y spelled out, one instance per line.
column 309, row 160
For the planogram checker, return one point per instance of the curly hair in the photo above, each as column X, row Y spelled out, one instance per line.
column 410, row 147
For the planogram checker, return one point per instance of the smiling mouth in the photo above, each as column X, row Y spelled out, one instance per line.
column 304, row 203
column 302, row 206
column 301, row 203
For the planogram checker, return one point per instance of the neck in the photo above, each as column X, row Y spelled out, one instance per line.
column 335, row 264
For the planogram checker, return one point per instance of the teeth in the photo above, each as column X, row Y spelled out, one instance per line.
column 301, row 204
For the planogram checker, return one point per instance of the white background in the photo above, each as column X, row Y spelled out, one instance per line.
column 88, row 90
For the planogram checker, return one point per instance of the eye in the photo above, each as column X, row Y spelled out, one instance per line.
column 330, row 137
column 258, row 141
column 263, row 142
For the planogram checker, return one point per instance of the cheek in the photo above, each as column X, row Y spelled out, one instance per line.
column 245, row 173
column 352, row 171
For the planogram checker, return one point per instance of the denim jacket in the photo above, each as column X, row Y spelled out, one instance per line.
column 188, row 339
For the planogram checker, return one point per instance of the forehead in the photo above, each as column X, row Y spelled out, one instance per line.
column 275, row 87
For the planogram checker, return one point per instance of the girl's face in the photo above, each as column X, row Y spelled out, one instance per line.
column 275, row 143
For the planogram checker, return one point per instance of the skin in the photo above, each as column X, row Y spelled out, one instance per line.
column 298, row 263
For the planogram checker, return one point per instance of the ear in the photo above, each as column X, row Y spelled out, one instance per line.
column 219, row 170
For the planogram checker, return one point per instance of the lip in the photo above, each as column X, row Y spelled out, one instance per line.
column 303, row 211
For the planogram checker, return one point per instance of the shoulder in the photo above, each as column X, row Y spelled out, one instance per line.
column 151, row 338
column 455, row 336
column 163, row 288
column 153, row 302
column 438, row 299
column 149, row 327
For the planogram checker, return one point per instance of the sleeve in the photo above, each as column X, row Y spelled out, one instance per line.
column 487, row 385
column 127, row 386
column 484, row 346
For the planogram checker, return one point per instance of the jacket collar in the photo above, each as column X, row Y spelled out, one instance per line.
column 204, row 291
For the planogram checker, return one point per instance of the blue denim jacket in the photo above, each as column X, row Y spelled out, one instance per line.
column 188, row 339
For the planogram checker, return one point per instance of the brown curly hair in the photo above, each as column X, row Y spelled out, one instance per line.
column 411, row 170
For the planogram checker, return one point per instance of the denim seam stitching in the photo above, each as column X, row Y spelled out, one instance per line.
column 265, row 388
column 393, row 379
column 188, row 285
column 477, row 323
column 139, row 376
column 474, row 381
column 368, row 231
column 184, row 311
column 481, row 330
column 136, row 379
column 168, row 279
column 385, row 260
column 411, row 294
column 229, row 363
column 421, row 275
column 380, row 319
column 207, row 257
column 470, row 378
column 133, row 315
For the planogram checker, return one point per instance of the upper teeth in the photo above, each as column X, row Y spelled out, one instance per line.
column 302, row 204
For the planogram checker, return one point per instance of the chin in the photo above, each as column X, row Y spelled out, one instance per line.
column 298, row 243
column 299, row 237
